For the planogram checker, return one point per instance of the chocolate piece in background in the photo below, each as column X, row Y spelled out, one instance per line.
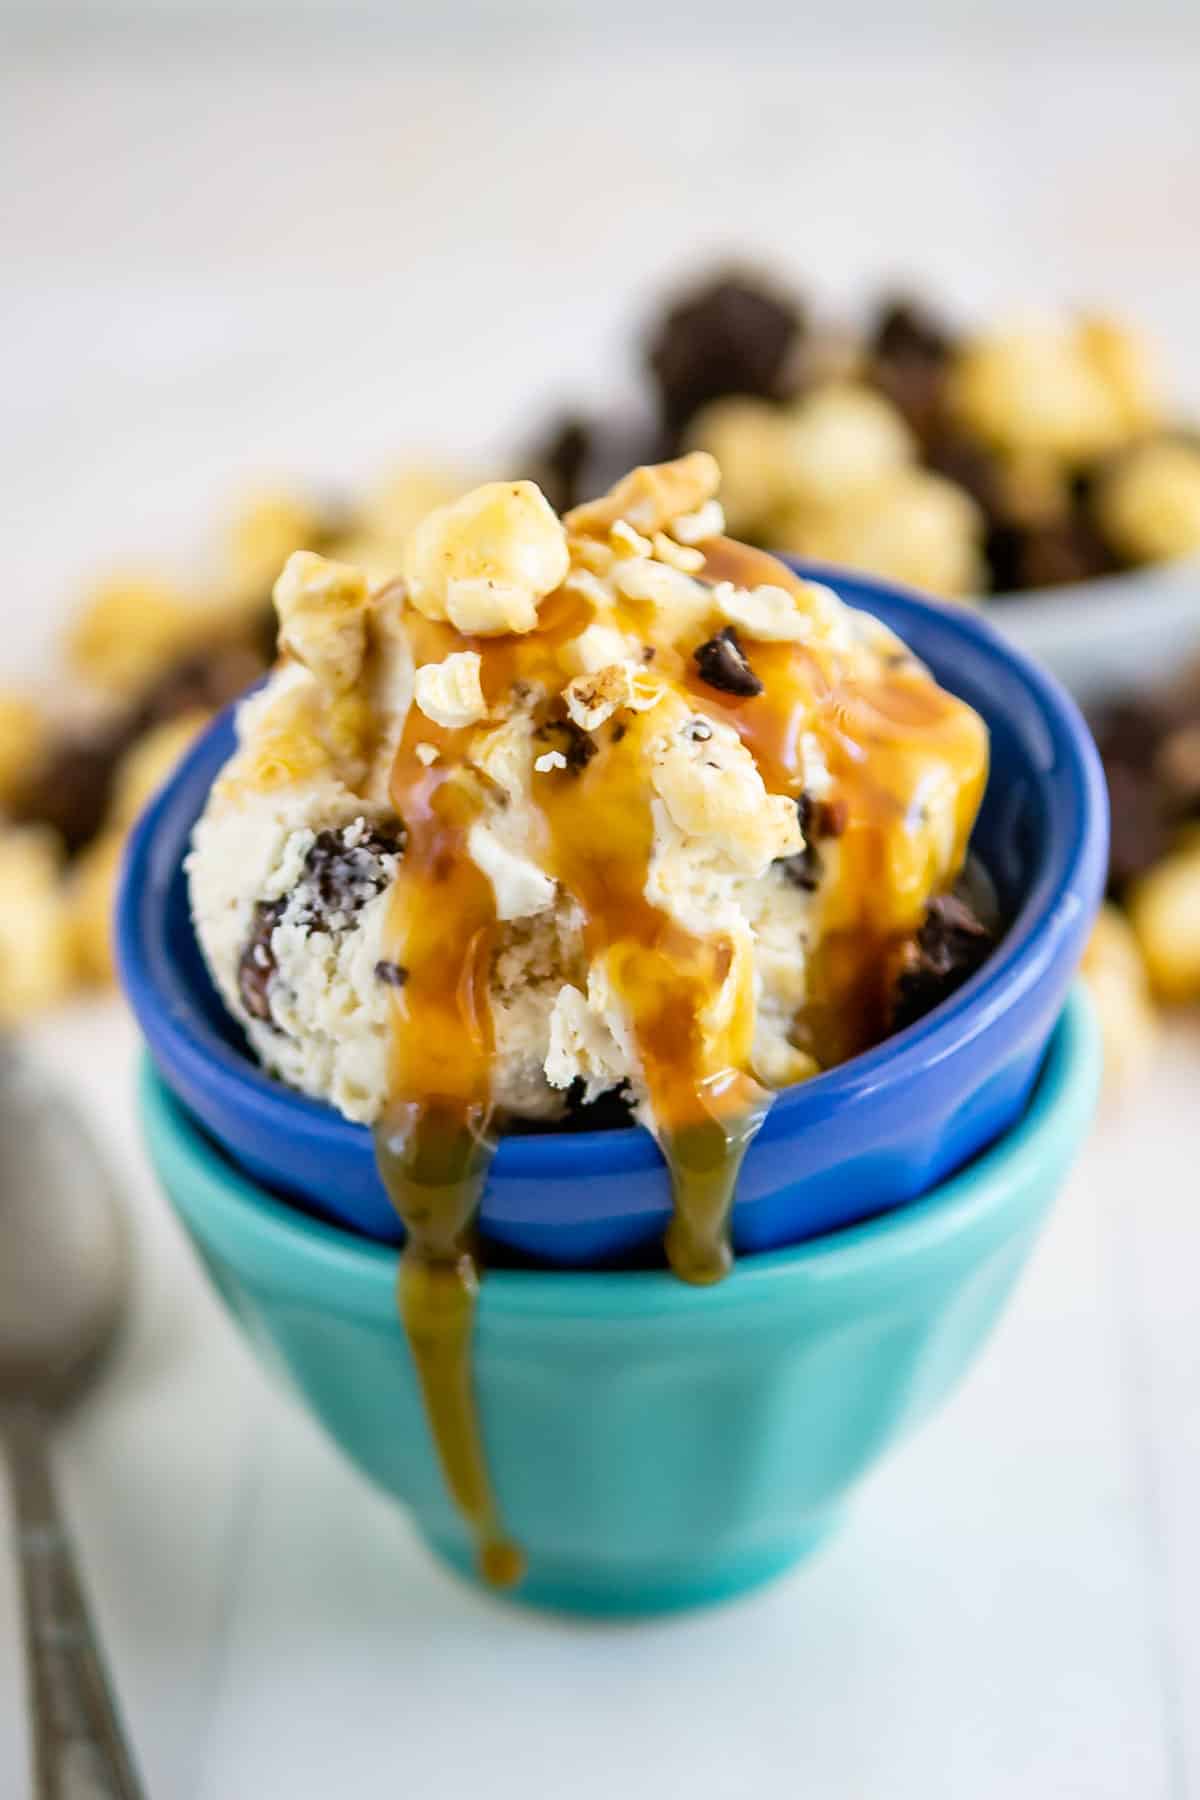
column 579, row 457
column 71, row 787
column 950, row 944
column 734, row 333
column 1150, row 749
column 909, row 354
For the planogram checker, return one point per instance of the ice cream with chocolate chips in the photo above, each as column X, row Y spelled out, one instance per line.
column 606, row 802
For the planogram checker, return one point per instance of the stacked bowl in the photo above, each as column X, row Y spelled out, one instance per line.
column 654, row 1445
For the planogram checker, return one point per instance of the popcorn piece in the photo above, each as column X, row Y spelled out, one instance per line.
column 129, row 630
column 839, row 441
column 548, row 761
column 22, row 742
column 650, row 498
column 449, row 692
column 628, row 541
column 486, row 561
column 1116, row 978
column 36, row 962
column 677, row 556
column 405, row 497
column 265, row 531
column 1043, row 389
column 915, row 527
column 91, row 895
column 708, row 521
column 520, row 887
column 591, row 699
column 597, row 646
column 1164, row 911
column 1123, row 362
column 1148, row 504
column 322, row 608
column 746, row 438
column 426, row 753
column 712, row 789
column 147, row 764
column 767, row 613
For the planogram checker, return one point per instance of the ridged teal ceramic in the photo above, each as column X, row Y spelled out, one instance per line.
column 653, row 1445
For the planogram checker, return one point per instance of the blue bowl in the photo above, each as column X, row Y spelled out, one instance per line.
column 869, row 1135
column 652, row 1445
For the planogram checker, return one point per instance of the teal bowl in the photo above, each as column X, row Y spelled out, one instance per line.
column 652, row 1445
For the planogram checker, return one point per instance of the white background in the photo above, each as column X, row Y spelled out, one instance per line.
column 225, row 256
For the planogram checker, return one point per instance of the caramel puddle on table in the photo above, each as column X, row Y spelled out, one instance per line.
column 436, row 1140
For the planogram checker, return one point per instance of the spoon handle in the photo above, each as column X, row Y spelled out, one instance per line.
column 79, row 1749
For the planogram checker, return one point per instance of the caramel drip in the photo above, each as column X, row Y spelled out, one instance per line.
column 888, row 742
column 704, row 1104
column 434, row 1143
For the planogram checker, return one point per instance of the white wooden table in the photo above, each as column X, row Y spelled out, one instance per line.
column 214, row 268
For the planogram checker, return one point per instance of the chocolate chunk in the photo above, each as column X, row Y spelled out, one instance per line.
column 342, row 872
column 569, row 739
column 257, row 966
column 730, row 335
column 950, row 945
column 804, row 869
column 818, row 819
column 392, row 974
column 723, row 664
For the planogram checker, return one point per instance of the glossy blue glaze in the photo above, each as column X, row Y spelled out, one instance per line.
column 652, row 1445
column 856, row 1140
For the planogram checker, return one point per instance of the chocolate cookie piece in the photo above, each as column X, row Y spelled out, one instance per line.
column 257, row 966
column 723, row 664
column 951, row 943
column 343, row 870
column 733, row 334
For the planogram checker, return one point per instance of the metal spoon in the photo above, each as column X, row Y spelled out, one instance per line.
column 64, row 1277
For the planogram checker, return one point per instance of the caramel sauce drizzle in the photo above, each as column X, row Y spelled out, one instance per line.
column 881, row 739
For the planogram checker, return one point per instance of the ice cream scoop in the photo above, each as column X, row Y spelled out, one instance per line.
column 600, row 802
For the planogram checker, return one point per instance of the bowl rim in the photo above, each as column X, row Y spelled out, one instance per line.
column 1071, row 876
column 282, row 1246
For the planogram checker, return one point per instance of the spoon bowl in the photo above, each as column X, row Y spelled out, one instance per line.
column 64, row 1246
column 64, row 1284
